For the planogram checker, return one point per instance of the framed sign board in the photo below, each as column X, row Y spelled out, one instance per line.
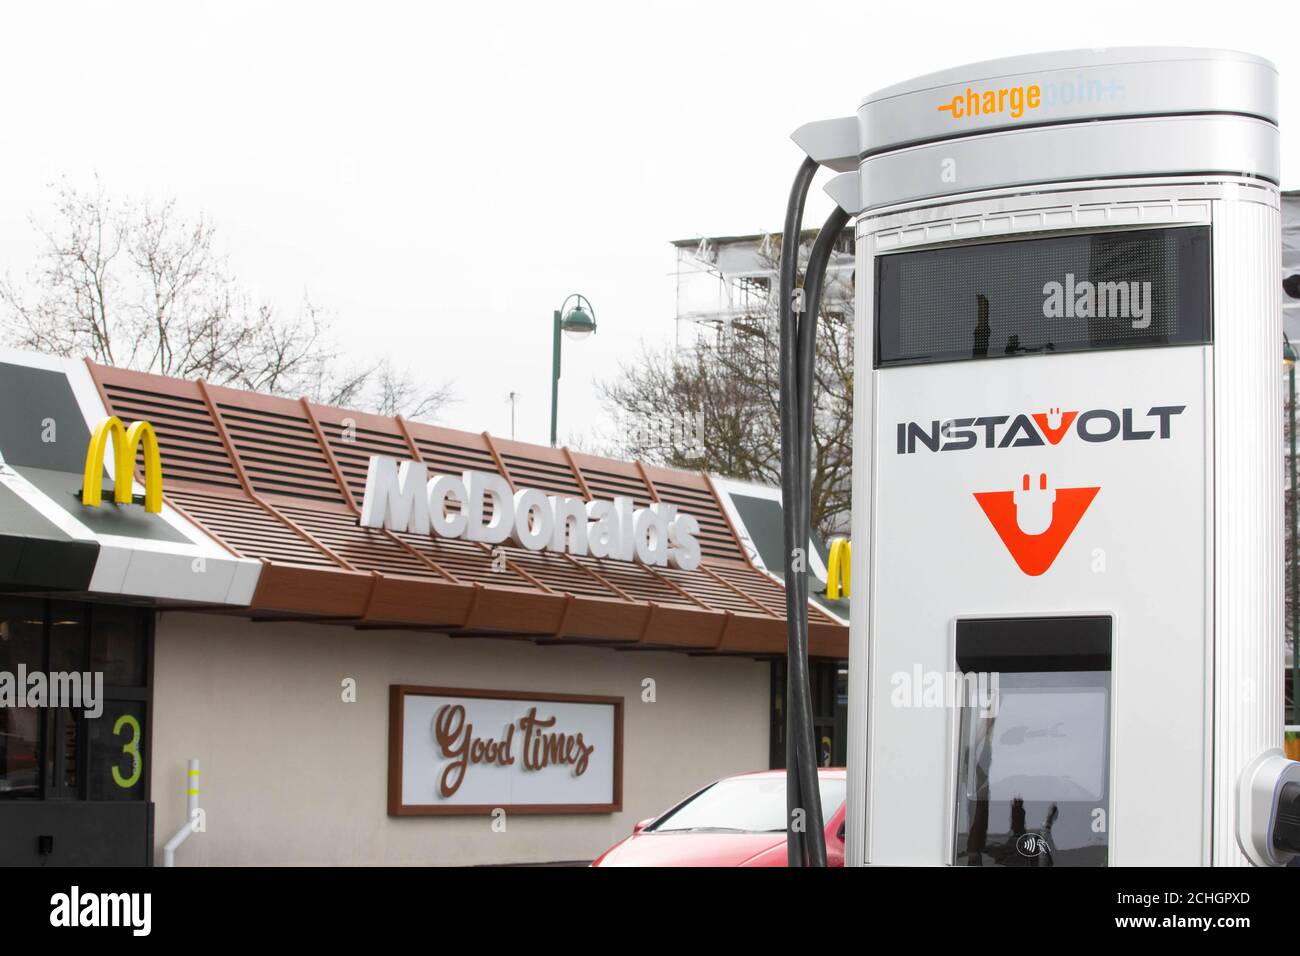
column 456, row 750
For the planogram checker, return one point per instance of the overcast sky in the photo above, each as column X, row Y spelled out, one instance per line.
column 439, row 177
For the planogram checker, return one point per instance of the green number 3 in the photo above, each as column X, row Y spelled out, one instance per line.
column 131, row 747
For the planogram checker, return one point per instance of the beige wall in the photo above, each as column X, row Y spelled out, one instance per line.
column 293, row 775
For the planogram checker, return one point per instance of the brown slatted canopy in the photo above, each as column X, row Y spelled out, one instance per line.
column 281, row 480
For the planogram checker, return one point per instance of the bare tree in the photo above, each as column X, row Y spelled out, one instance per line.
column 139, row 285
column 395, row 392
column 715, row 406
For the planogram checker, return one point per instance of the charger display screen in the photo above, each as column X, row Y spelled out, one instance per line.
column 1130, row 288
column 1033, row 760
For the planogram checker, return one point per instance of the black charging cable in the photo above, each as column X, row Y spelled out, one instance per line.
column 806, row 837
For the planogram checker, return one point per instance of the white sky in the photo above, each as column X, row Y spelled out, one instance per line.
column 441, row 177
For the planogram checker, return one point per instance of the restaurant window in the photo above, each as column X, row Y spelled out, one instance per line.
column 829, row 686
column 21, row 650
column 56, row 751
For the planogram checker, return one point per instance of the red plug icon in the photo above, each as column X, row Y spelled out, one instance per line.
column 1034, row 523
column 1034, row 506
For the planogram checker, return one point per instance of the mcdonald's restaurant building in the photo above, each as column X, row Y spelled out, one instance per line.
column 384, row 642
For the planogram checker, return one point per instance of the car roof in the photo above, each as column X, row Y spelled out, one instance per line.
column 832, row 772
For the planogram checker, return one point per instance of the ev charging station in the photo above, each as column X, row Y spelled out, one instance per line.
column 1066, row 641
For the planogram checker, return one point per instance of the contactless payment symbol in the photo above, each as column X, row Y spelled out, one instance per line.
column 1031, row 845
column 1035, row 523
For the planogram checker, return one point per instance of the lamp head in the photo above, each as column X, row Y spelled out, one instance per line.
column 578, row 323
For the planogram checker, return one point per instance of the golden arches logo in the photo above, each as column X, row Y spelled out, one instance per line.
column 839, row 569
column 125, row 442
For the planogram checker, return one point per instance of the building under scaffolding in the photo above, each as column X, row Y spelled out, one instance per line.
column 725, row 279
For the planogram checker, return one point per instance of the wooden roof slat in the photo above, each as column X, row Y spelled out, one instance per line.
column 577, row 473
column 518, row 570
column 676, row 587
column 762, row 608
column 654, row 493
column 599, row 577
column 330, row 458
column 248, row 485
column 501, row 465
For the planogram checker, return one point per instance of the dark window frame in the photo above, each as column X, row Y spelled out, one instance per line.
column 54, row 722
column 830, row 711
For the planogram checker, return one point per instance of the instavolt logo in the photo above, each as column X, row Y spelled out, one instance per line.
column 1037, row 429
column 1035, row 521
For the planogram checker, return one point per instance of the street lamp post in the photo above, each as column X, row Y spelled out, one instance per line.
column 1288, row 359
column 577, row 323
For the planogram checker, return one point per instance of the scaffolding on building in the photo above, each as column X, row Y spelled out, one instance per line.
column 723, row 280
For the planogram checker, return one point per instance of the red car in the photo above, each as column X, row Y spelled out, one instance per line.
column 735, row 821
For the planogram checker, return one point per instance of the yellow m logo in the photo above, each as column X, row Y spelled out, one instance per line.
column 125, row 442
column 839, row 569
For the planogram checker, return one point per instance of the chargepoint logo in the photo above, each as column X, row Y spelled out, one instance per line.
column 1023, row 99
column 1009, row 101
column 1037, row 429
column 1036, row 520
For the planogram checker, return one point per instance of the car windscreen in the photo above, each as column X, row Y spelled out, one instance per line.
column 743, row 805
